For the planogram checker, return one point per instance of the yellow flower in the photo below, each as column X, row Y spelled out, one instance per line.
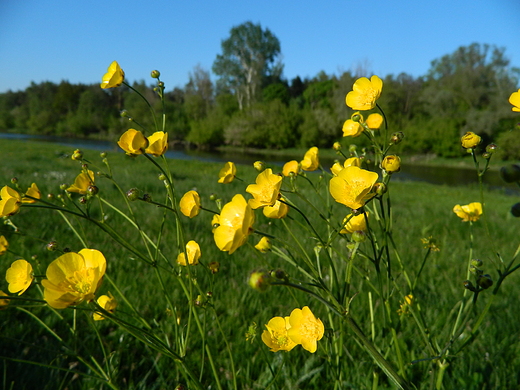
column 114, row 76
column 82, row 182
column 133, row 142
column 4, row 245
column 336, row 168
column 193, row 250
column 227, row 173
column 107, row 302
column 408, row 301
column 374, row 121
column 311, row 160
column 391, row 164
column 19, row 276
column 291, row 168
column 305, row 328
column 365, row 93
column 336, row 146
column 264, row 245
column 469, row 212
column 266, row 189
column 352, row 187
column 34, row 192
column 514, row 99
column 356, row 223
column 275, row 337
column 4, row 302
column 470, row 140
column 157, row 143
column 235, row 224
column 73, row 278
column 352, row 129
column 190, row 204
column 278, row 211
column 259, row 166
column 10, row 203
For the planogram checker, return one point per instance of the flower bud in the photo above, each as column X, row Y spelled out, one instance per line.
column 124, row 114
column 485, row 281
column 214, row 267
column 259, row 166
column 92, row 190
column 132, row 194
column 470, row 140
column 469, row 286
column 357, row 117
column 147, row 197
column 486, row 155
column 510, row 173
column 475, row 271
column 515, row 210
column 162, row 177
column 14, row 180
column 280, row 275
column 260, row 280
column 359, row 236
column 476, row 263
column 52, row 246
column 77, row 155
column 380, row 188
column 83, row 200
column 397, row 137
column 352, row 148
column 491, row 148
column 155, row 74
column 336, row 146
column 212, row 197
column 50, row 196
column 103, row 154
column 160, row 84
column 391, row 164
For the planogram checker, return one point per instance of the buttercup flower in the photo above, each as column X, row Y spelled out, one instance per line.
column 107, row 302
column 190, row 204
column 73, row 278
column 514, row 99
column 275, row 337
column 277, row 211
column 365, row 93
column 114, row 76
column 157, row 143
column 259, row 165
column 266, row 189
column 356, row 223
column 470, row 140
column 391, row 164
column 235, row 224
column 133, row 142
column 469, row 212
column 352, row 187
column 352, row 128
column 336, row 168
column 291, row 168
column 305, row 329
column 4, row 245
column 374, row 121
column 264, row 245
column 352, row 162
column 82, row 182
column 193, row 250
column 311, row 160
column 227, row 173
column 34, row 192
column 19, row 276
column 10, row 203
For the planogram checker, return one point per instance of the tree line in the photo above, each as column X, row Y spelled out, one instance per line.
column 253, row 105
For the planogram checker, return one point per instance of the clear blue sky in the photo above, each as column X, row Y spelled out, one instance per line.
column 75, row 40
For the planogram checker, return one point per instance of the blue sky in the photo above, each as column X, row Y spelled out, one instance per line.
column 74, row 40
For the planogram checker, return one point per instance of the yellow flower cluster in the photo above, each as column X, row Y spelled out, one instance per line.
column 133, row 142
column 11, row 200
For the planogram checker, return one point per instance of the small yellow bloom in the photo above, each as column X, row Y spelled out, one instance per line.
column 430, row 243
column 469, row 212
column 514, row 99
column 193, row 250
column 4, row 245
column 266, row 189
column 107, row 302
column 227, row 173
column 391, row 164
column 4, row 302
column 235, row 225
column 73, row 278
column 374, row 121
column 470, row 140
column 291, row 168
column 311, row 160
column 190, row 204
column 264, row 245
column 356, row 223
column 353, row 186
column 305, row 329
column 277, row 211
column 259, row 166
column 34, row 192
column 157, row 143
column 336, row 146
column 404, row 307
column 19, row 276
column 365, row 93
column 133, row 142
column 82, row 182
column 352, row 129
column 10, row 203
column 114, row 76
column 275, row 337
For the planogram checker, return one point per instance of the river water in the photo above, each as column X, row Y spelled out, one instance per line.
column 453, row 176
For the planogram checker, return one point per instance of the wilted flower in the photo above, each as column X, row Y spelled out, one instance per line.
column 193, row 251
column 291, row 168
column 190, row 204
column 514, row 99
column 277, row 211
column 10, row 203
column 235, row 224
column 470, row 140
column 275, row 337
column 374, row 121
column 266, row 189
column 157, row 143
column 469, row 212
column 107, row 302
column 4, row 245
column 82, row 182
column 73, row 278
column 352, row 128
column 264, row 245
column 365, row 93
column 19, row 276
column 227, row 173
column 353, row 186
column 391, row 164
column 311, row 160
column 355, row 223
column 305, row 328
column 114, row 76
column 133, row 142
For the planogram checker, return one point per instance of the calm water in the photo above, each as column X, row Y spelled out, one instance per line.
column 410, row 172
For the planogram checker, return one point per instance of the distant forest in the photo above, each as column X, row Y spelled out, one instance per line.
column 466, row 90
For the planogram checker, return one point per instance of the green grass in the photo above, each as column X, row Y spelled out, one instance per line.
column 419, row 210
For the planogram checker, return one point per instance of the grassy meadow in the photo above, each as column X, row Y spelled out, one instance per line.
column 33, row 357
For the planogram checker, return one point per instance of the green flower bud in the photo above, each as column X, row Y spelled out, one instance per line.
column 92, row 190
column 486, row 155
column 103, row 155
column 83, row 200
column 380, row 188
column 50, row 196
column 77, row 155
column 397, row 137
column 491, row 148
column 260, row 280
column 485, row 281
column 352, row 148
column 358, row 236
column 52, row 246
column 63, row 187
column 155, row 74
column 14, row 180
column 475, row 271
column 212, row 197
column 476, row 263
column 124, row 114
column 147, row 197
column 162, row 177
column 469, row 286
column 132, row 194
column 336, row 146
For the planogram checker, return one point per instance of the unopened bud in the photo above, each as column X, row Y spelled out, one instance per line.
column 380, row 188
column 147, row 197
column 260, row 280
column 352, row 148
column 491, row 148
column 83, row 200
column 52, row 246
column 336, row 146
column 50, row 196
column 92, row 190
column 476, row 263
column 124, row 114
column 212, row 197
column 77, row 155
column 485, row 281
column 14, row 180
column 475, row 271
column 486, row 155
column 155, row 74
column 162, row 177
column 103, row 155
column 132, row 194
column 397, row 137
column 214, row 267
column 359, row 236
column 259, row 166
column 468, row 285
